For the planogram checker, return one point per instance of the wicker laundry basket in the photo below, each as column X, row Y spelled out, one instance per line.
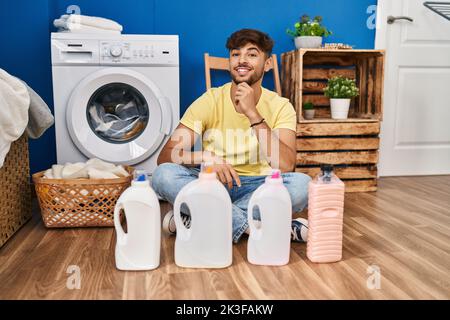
column 15, row 189
column 79, row 202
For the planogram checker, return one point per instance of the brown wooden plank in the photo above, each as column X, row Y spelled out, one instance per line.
column 348, row 120
column 360, row 172
column 207, row 71
column 219, row 63
column 322, row 112
column 285, row 68
column 340, row 52
column 313, row 86
column 330, row 60
column 379, row 83
column 337, row 128
column 324, row 74
column 371, row 73
column 362, row 84
column 351, row 157
column 369, row 185
column 317, row 144
column 276, row 74
column 298, row 86
column 316, row 99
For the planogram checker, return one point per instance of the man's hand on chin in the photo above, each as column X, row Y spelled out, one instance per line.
column 245, row 99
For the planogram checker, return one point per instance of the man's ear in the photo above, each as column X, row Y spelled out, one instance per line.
column 268, row 64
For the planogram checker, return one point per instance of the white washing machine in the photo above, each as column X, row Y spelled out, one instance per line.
column 116, row 97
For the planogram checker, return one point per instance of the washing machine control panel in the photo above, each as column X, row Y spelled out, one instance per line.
column 138, row 52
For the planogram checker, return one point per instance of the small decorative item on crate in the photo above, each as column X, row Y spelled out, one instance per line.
column 337, row 46
column 309, row 111
column 340, row 90
column 79, row 202
column 308, row 33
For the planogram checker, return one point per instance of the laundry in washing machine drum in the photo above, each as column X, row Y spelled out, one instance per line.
column 117, row 121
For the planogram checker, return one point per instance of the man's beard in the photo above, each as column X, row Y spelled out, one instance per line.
column 255, row 77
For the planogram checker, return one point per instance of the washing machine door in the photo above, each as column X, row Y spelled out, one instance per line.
column 118, row 115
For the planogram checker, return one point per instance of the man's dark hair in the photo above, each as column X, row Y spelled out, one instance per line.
column 241, row 37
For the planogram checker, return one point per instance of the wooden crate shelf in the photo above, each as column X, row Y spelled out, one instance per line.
column 350, row 145
column 305, row 73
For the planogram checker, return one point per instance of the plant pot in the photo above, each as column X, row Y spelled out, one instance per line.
column 309, row 114
column 308, row 42
column 339, row 108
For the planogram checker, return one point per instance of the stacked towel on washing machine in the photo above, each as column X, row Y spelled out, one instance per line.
column 85, row 24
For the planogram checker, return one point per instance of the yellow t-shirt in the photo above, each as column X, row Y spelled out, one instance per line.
column 227, row 133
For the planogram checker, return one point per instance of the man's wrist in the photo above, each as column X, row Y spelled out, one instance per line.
column 254, row 117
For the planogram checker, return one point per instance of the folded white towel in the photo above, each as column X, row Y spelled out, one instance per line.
column 14, row 103
column 85, row 24
column 64, row 26
column 97, row 22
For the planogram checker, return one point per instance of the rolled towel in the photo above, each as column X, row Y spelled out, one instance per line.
column 57, row 171
column 100, row 164
column 70, row 171
column 120, row 171
column 64, row 26
column 97, row 22
column 99, row 174
column 48, row 174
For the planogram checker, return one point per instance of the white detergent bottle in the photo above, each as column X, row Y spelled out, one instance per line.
column 207, row 243
column 269, row 242
column 138, row 248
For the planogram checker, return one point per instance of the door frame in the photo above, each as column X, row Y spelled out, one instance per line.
column 383, row 7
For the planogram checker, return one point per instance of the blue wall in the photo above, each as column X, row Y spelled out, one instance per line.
column 203, row 26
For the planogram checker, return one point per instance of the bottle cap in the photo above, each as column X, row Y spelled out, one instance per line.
column 327, row 172
column 205, row 167
column 206, row 171
column 276, row 174
column 140, row 175
column 326, row 168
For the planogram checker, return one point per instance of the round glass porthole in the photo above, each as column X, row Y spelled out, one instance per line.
column 117, row 113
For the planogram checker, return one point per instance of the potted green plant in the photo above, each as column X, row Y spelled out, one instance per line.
column 340, row 90
column 309, row 111
column 308, row 33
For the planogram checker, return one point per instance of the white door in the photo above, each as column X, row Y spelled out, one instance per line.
column 118, row 115
column 415, row 133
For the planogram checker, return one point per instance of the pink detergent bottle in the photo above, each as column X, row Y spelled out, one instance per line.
column 325, row 217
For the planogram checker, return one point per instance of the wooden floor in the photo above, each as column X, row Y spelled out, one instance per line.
column 403, row 229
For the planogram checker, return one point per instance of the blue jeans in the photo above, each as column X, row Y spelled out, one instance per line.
column 169, row 178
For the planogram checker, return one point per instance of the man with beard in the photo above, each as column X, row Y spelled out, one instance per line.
column 246, row 130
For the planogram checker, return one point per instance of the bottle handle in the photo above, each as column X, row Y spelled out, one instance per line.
column 254, row 232
column 182, row 232
column 121, row 235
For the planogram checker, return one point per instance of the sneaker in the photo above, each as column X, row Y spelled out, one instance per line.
column 168, row 224
column 299, row 231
